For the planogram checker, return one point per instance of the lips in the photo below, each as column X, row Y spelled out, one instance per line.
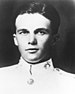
column 32, row 50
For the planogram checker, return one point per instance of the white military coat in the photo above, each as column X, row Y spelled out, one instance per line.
column 42, row 78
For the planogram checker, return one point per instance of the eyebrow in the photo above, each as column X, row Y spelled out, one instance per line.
column 21, row 30
column 34, row 30
column 43, row 29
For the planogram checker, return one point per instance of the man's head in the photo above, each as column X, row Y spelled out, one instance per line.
column 36, row 24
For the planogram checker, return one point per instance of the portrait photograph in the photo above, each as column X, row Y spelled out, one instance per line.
column 37, row 46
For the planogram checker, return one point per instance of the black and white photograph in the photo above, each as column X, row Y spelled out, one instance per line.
column 37, row 46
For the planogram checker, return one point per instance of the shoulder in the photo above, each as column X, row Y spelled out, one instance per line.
column 64, row 73
column 59, row 71
column 65, row 78
column 8, row 69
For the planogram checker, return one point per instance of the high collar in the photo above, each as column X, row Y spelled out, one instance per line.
column 31, row 68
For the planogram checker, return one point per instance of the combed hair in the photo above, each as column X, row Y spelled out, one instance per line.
column 42, row 7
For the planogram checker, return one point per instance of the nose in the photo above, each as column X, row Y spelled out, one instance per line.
column 32, row 39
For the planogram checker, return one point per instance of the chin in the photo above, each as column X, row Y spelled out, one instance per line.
column 33, row 61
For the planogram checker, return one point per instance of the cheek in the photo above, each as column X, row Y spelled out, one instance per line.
column 21, row 44
column 44, row 41
column 21, row 40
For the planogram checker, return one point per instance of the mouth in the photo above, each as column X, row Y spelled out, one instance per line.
column 32, row 50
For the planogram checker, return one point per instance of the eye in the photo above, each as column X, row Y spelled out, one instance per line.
column 41, row 31
column 23, row 31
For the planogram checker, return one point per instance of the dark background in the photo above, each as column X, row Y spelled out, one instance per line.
column 65, row 47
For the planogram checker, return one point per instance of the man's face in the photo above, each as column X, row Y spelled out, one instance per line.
column 32, row 36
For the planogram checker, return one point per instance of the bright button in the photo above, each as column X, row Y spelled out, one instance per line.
column 30, row 81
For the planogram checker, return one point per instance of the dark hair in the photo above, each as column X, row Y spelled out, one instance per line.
column 42, row 7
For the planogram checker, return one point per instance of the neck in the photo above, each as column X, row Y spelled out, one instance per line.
column 45, row 58
column 35, row 68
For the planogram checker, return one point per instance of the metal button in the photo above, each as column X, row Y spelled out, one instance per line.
column 47, row 65
column 30, row 81
column 57, row 69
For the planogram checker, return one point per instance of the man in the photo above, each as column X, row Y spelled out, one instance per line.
column 36, row 25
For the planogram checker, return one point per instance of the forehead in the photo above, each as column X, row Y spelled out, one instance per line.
column 35, row 20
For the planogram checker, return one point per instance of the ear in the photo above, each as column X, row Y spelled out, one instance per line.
column 15, row 40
